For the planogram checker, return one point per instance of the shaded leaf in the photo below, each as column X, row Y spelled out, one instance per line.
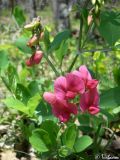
column 40, row 140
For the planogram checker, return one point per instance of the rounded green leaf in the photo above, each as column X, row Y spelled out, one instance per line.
column 82, row 143
column 69, row 136
column 40, row 140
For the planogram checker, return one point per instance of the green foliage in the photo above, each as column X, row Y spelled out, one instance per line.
column 19, row 15
column 116, row 74
column 3, row 59
column 21, row 44
column 20, row 106
column 44, row 138
column 40, row 140
column 110, row 99
column 59, row 38
column 69, row 136
column 62, row 50
column 52, row 129
column 82, row 143
column 109, row 26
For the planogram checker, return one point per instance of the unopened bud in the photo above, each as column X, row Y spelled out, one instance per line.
column 33, row 41
column 38, row 57
column 34, row 59
column 29, row 63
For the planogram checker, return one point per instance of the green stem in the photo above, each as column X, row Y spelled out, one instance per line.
column 96, row 138
column 51, row 65
column 79, row 45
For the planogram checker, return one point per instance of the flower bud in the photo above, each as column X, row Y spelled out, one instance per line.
column 34, row 59
column 29, row 62
column 33, row 41
column 37, row 57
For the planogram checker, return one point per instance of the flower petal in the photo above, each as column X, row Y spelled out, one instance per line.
column 92, row 83
column 85, row 73
column 93, row 110
column 75, row 83
column 49, row 97
column 60, row 87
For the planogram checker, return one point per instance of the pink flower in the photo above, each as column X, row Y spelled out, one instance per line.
column 86, row 76
column 60, row 107
column 90, row 101
column 68, row 87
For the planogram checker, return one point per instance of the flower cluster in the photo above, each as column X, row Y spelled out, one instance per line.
column 66, row 88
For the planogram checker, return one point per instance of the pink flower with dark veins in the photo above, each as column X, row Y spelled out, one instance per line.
column 89, row 101
column 60, row 107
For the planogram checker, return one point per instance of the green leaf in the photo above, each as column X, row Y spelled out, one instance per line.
column 3, row 59
column 116, row 74
column 109, row 26
column 21, row 44
column 40, row 140
column 116, row 110
column 60, row 53
column 52, row 129
column 82, row 143
column 59, row 38
column 19, row 15
column 110, row 99
column 33, row 87
column 69, row 136
column 44, row 109
column 16, row 104
column 22, row 93
column 33, row 103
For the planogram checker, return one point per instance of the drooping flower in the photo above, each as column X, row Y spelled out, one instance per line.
column 89, row 101
column 60, row 107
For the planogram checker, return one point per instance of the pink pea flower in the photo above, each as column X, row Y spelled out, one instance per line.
column 60, row 107
column 69, row 86
column 86, row 76
column 89, row 101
